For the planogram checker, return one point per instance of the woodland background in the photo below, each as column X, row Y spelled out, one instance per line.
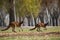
column 30, row 11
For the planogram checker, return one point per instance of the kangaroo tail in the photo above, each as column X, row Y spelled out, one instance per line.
column 6, row 28
column 33, row 28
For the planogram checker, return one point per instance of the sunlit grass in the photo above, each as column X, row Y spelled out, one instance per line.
column 46, row 37
column 30, row 38
column 52, row 29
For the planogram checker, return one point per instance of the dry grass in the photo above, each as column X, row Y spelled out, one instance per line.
column 52, row 33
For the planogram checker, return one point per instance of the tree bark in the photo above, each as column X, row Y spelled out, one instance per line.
column 11, row 12
column 56, row 21
column 31, row 21
column 42, row 19
column 28, row 21
column 35, row 20
column 53, row 21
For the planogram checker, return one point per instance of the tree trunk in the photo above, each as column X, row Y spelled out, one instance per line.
column 19, row 19
column 28, row 21
column 15, row 14
column 31, row 22
column 42, row 19
column 50, row 21
column 56, row 21
column 53, row 21
column 35, row 20
column 0, row 20
column 11, row 12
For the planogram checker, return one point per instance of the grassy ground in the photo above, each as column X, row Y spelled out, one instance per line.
column 52, row 29
column 30, row 38
column 46, row 37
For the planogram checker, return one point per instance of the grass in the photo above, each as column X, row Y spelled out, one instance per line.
column 46, row 37
column 52, row 29
column 30, row 38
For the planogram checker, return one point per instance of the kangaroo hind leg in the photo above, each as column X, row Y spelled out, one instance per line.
column 13, row 28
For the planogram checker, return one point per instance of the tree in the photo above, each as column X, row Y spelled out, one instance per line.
column 26, row 7
column 3, row 10
column 11, row 11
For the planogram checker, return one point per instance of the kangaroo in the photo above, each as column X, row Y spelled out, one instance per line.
column 39, row 25
column 13, row 25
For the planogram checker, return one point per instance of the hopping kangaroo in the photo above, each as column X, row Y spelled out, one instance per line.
column 39, row 25
column 13, row 25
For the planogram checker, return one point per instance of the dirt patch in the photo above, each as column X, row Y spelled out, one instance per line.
column 30, row 34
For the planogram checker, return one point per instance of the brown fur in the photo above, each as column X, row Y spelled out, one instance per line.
column 13, row 25
column 39, row 25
